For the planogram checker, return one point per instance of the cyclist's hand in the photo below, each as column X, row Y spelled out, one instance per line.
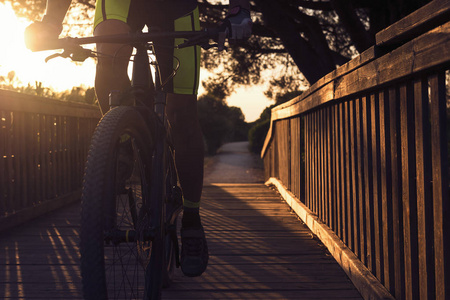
column 237, row 25
column 240, row 23
column 39, row 34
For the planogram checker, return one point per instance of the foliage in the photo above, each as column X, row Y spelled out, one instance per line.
column 304, row 36
column 220, row 123
column 258, row 131
column 307, row 37
column 257, row 135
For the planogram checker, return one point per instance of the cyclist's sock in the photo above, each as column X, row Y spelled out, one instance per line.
column 191, row 219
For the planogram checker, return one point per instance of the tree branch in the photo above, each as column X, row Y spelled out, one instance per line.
column 353, row 25
column 315, row 5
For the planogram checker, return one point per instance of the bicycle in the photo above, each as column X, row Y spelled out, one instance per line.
column 131, row 196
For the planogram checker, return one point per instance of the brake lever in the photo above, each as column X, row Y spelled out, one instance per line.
column 76, row 53
column 63, row 54
column 204, row 40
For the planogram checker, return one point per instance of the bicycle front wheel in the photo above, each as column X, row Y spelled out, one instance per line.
column 119, row 233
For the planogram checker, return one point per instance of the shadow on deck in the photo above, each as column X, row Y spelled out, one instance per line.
column 258, row 250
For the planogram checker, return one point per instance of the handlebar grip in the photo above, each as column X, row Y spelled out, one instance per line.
column 44, row 45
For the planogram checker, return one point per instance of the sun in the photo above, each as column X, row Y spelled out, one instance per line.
column 58, row 74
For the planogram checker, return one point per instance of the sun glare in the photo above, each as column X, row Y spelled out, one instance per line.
column 59, row 74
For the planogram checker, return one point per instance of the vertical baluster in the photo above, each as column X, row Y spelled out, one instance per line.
column 441, row 205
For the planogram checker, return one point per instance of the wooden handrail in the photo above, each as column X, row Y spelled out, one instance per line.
column 43, row 147
column 365, row 72
column 365, row 152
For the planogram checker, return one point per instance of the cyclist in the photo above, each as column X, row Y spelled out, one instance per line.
column 124, row 16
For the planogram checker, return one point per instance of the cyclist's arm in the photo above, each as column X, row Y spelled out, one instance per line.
column 56, row 11
column 38, row 34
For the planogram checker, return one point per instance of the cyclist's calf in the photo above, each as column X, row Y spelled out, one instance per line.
column 112, row 63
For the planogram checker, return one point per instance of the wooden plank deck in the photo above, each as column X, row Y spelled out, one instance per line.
column 258, row 250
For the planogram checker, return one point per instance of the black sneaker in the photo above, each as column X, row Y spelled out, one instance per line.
column 194, row 251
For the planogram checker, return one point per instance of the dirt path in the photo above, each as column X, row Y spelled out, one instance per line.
column 234, row 164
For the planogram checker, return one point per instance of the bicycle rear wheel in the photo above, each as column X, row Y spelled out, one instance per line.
column 121, row 233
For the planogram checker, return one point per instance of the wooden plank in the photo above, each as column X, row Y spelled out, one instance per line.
column 342, row 183
column 325, row 170
column 425, row 52
column 319, row 97
column 291, row 157
column 3, row 176
column 307, row 160
column 21, row 179
column 360, row 172
column 313, row 163
column 377, row 223
column 355, row 63
column 29, row 149
column 29, row 213
column 15, row 156
column 65, row 133
column 368, row 188
column 418, row 22
column 394, row 132
column 334, row 169
column 409, row 191
column 38, row 173
column 247, row 260
column 348, row 201
column 320, row 151
column 329, row 167
column 385, row 193
column 323, row 83
column 338, row 212
column 53, row 156
column 441, row 209
column 362, row 73
column 354, row 233
column 48, row 158
column 13, row 101
column 9, row 162
column 423, row 192
column 315, row 167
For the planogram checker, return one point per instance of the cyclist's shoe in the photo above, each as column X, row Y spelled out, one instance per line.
column 125, row 164
column 194, row 251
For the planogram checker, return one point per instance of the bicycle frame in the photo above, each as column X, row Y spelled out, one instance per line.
column 156, row 173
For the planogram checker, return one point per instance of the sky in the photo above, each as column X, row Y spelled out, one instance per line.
column 62, row 74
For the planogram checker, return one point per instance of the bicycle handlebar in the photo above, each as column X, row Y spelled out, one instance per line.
column 193, row 38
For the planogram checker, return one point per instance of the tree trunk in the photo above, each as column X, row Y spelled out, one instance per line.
column 362, row 38
column 306, row 58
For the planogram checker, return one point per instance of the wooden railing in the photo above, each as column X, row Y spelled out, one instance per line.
column 43, row 146
column 365, row 150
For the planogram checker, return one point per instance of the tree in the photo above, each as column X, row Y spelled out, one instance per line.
column 301, row 40
column 304, row 36
column 219, row 122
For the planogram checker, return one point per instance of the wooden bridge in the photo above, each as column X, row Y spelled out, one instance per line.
column 356, row 203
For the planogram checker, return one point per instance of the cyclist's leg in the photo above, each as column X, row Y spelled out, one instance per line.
column 188, row 140
column 111, row 72
column 114, row 17
column 189, row 148
column 182, row 103
column 182, row 113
